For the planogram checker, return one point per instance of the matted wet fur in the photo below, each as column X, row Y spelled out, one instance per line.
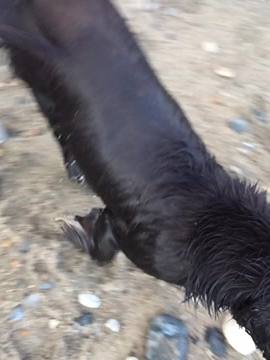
column 170, row 207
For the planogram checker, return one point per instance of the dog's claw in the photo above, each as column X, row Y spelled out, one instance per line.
column 74, row 172
column 75, row 233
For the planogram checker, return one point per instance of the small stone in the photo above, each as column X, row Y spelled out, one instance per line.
column 46, row 286
column 131, row 358
column 225, row 73
column 24, row 247
column 239, row 125
column 149, row 5
column 85, row 319
column 89, row 300
column 17, row 314
column 243, row 151
column 113, row 325
column 6, row 244
column 3, row 134
column 259, row 109
column 32, row 300
column 24, row 333
column 216, row 341
column 15, row 264
column 261, row 116
column 172, row 12
column 237, row 337
column 210, row 47
column 53, row 324
column 250, row 146
column 168, row 339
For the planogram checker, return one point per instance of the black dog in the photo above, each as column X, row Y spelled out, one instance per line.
column 170, row 207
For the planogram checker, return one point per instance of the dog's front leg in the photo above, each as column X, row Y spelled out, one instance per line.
column 48, row 108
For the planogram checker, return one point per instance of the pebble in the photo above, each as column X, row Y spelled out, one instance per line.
column 150, row 5
column 24, row 333
column 217, row 342
column 250, row 146
column 46, row 286
column 89, row 300
column 15, row 264
column 113, row 325
column 3, row 134
column 259, row 109
column 17, row 314
column 131, row 358
column 168, row 339
column 172, row 12
column 25, row 247
column 239, row 125
column 243, row 151
column 261, row 116
column 225, row 73
column 210, row 47
column 32, row 300
column 85, row 319
column 53, row 324
column 6, row 244
column 237, row 337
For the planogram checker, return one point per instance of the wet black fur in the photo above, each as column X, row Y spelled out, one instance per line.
column 170, row 207
column 51, row 97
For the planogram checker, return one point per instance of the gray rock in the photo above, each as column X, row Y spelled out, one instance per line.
column 239, row 125
column 25, row 247
column 217, row 342
column 259, row 109
column 85, row 319
column 17, row 314
column 46, row 286
column 168, row 339
column 3, row 134
column 172, row 12
column 32, row 300
column 261, row 115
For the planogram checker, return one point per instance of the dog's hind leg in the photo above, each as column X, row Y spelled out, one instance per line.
column 93, row 234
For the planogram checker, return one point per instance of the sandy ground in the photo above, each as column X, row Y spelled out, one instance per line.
column 34, row 190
